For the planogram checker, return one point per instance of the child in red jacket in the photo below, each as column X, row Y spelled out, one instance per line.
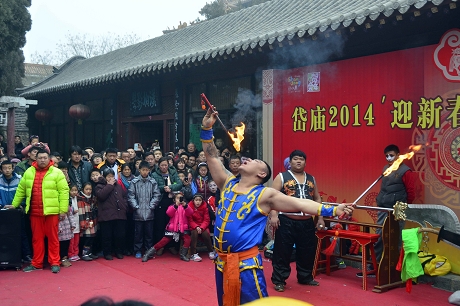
column 199, row 226
column 177, row 227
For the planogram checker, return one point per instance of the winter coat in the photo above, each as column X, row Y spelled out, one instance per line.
column 73, row 209
column 25, row 151
column 178, row 218
column 200, row 216
column 201, row 185
column 8, row 188
column 112, row 203
column 87, row 212
column 17, row 150
column 54, row 190
column 175, row 185
column 65, row 227
column 102, row 166
column 21, row 167
column 83, row 172
column 143, row 196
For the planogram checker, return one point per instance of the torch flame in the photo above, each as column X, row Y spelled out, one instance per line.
column 397, row 163
column 238, row 136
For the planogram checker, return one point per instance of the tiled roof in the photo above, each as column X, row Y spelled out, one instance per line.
column 38, row 70
column 258, row 25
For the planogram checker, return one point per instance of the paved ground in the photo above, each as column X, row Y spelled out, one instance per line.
column 169, row 281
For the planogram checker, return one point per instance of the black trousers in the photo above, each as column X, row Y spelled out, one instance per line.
column 129, row 242
column 161, row 219
column 26, row 248
column 64, row 248
column 302, row 234
column 87, row 242
column 143, row 235
column 113, row 231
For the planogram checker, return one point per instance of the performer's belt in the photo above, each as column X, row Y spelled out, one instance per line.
column 299, row 214
column 231, row 274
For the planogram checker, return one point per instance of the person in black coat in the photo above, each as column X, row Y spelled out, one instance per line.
column 112, row 207
column 18, row 147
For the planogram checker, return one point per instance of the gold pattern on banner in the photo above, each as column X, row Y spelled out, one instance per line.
column 438, row 163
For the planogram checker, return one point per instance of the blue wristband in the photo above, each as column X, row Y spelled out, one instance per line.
column 326, row 210
column 206, row 135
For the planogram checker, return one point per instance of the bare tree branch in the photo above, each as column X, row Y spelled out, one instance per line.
column 84, row 45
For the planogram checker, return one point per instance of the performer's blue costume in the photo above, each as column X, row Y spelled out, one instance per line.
column 239, row 227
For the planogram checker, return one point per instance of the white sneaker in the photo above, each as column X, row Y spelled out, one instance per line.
column 195, row 257
column 212, row 255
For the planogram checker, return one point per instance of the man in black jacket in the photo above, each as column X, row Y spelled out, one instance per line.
column 78, row 169
column 18, row 146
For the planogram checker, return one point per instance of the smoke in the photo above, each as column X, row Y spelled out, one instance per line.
column 310, row 52
column 246, row 105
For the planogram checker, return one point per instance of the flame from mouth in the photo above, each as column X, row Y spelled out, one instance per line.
column 238, row 136
column 397, row 163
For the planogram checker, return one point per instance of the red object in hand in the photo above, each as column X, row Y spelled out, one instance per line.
column 204, row 101
column 203, row 106
column 342, row 216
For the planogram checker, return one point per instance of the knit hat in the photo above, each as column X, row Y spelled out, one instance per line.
column 198, row 195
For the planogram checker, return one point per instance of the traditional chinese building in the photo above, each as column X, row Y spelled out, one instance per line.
column 338, row 79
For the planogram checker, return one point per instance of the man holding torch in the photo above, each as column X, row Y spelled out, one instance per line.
column 241, row 217
column 396, row 186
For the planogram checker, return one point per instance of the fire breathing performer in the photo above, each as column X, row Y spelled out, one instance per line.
column 241, row 218
column 397, row 186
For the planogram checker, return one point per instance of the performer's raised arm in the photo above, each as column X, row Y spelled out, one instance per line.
column 217, row 169
column 274, row 199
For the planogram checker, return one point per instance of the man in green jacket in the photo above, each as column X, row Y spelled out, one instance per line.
column 47, row 200
column 22, row 166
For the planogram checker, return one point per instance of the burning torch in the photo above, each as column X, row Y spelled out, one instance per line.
column 238, row 136
column 388, row 171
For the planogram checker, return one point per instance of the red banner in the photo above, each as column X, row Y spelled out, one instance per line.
column 343, row 114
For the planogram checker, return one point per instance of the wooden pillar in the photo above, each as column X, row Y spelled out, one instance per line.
column 10, row 130
column 12, row 103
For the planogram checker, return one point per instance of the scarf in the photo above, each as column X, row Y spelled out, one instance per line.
column 125, row 182
column 86, row 196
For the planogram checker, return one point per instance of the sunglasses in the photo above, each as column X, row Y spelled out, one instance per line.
column 389, row 155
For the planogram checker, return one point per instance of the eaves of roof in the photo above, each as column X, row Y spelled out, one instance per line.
column 254, row 27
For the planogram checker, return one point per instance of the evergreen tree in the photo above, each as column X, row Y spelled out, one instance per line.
column 15, row 21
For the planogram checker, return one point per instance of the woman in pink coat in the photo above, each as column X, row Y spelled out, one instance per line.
column 176, row 227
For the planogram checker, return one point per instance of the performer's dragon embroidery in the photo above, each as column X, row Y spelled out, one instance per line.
column 289, row 188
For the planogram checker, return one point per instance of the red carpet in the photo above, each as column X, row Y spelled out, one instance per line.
column 166, row 280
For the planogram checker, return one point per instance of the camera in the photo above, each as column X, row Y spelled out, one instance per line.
column 227, row 154
column 181, row 199
column 186, row 179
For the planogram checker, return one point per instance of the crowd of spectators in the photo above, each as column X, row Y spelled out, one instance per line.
column 118, row 202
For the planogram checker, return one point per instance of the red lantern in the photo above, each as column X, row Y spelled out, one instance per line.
column 79, row 112
column 43, row 115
